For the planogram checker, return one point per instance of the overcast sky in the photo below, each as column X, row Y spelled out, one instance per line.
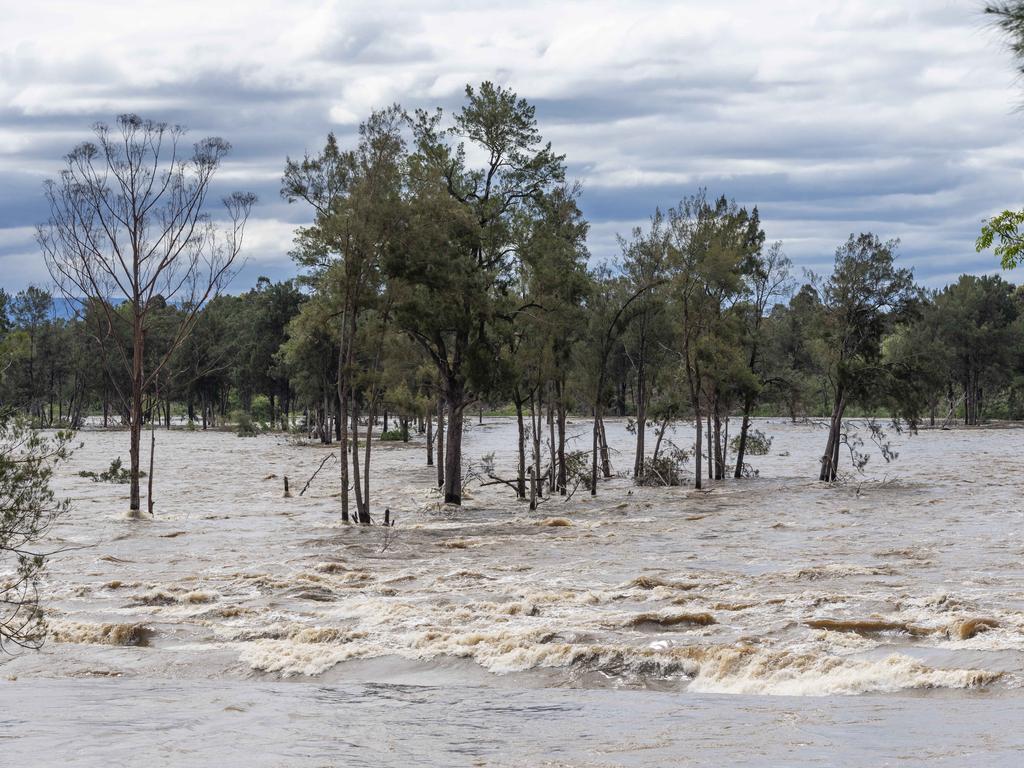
column 895, row 116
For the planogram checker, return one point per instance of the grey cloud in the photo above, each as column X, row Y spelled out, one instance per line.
column 896, row 118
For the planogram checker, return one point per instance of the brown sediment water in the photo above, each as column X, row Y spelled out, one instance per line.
column 905, row 582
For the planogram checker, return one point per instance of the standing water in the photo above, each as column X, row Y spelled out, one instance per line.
column 765, row 621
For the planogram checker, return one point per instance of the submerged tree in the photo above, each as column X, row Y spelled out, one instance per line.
column 28, row 508
column 452, row 280
column 129, row 226
column 861, row 301
column 356, row 196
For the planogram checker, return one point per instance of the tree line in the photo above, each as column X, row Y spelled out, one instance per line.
column 446, row 267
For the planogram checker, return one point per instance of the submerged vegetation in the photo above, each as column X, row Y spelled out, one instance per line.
column 28, row 507
column 445, row 271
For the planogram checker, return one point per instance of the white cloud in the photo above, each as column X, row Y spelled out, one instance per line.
column 834, row 116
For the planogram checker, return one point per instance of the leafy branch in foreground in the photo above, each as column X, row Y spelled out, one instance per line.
column 28, row 508
column 1006, row 229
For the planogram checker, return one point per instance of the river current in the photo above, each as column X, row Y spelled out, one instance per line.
column 767, row 621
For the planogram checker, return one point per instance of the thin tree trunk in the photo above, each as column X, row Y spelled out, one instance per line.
column 641, row 417
column 719, row 451
column 711, row 462
column 830, row 459
column 521, row 444
column 353, row 456
column 440, row 442
column 552, row 450
column 561, row 414
column 152, row 464
column 364, row 512
column 741, row 450
column 536, row 424
column 657, row 443
column 136, row 418
column 430, row 439
column 606, row 467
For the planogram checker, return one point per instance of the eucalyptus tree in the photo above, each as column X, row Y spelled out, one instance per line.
column 769, row 280
column 550, row 284
column 861, row 302
column 357, row 200
column 710, row 248
column 30, row 312
column 260, row 324
column 792, row 373
column 645, row 262
column 129, row 223
column 453, row 279
column 553, row 256
column 309, row 356
column 976, row 320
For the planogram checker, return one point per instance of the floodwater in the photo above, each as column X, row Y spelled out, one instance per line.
column 769, row 621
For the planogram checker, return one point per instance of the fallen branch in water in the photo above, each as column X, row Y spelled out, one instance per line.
column 495, row 480
column 309, row 482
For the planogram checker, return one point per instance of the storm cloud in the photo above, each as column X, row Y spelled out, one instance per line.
column 833, row 117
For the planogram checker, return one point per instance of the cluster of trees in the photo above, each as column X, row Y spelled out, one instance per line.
column 446, row 265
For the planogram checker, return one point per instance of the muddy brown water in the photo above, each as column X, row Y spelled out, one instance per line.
column 768, row 621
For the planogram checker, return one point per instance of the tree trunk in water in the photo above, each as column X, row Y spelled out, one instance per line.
column 830, row 459
column 453, row 456
column 136, row 420
column 364, row 512
column 741, row 452
column 152, row 464
column 536, row 424
column 657, row 443
column 521, row 473
column 440, row 443
column 353, row 456
column 561, row 413
column 343, row 447
column 552, row 450
column 719, row 451
column 430, row 439
column 641, row 418
column 698, row 449
column 711, row 462
column 606, row 467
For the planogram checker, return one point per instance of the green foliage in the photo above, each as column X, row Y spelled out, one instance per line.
column 392, row 435
column 28, row 508
column 115, row 473
column 667, row 470
column 758, row 443
column 245, row 426
column 1002, row 233
column 577, row 469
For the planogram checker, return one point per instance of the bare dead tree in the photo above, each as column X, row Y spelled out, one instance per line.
column 129, row 232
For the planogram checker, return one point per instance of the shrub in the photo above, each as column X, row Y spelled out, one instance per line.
column 392, row 436
column 245, row 426
column 758, row 443
column 28, row 508
column 666, row 470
